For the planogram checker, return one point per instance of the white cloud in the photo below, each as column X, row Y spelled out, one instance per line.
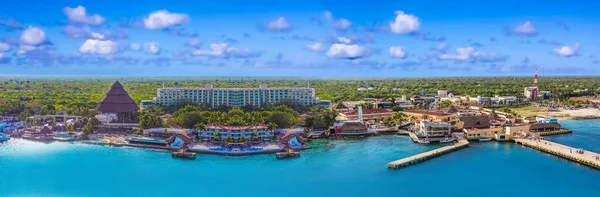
column 97, row 36
column 340, row 23
column 469, row 54
column 33, row 36
column 99, row 47
column 344, row 40
column 315, row 47
column 526, row 29
column 79, row 15
column 163, row 19
column 225, row 51
column 4, row 47
column 1, row 55
column 151, row 48
column 346, row 51
column 194, row 43
column 567, row 51
column 397, row 52
column 441, row 47
column 279, row 25
column 76, row 32
column 461, row 54
column 135, row 46
column 404, row 23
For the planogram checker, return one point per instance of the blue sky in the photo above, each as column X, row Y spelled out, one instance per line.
column 322, row 38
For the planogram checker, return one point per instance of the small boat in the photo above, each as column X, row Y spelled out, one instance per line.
column 183, row 155
column 446, row 140
column 287, row 154
column 4, row 137
column 485, row 139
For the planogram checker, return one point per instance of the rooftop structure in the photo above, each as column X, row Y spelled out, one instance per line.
column 433, row 129
column 235, row 97
column 352, row 128
column 117, row 101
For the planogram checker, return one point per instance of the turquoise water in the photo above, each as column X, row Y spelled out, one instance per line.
column 331, row 168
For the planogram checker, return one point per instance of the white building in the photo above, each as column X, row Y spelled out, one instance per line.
column 434, row 129
column 234, row 97
column 442, row 93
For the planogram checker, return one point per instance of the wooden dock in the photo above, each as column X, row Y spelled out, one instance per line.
column 427, row 155
column 562, row 131
column 587, row 157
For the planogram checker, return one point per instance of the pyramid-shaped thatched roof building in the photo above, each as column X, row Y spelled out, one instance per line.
column 117, row 101
column 452, row 110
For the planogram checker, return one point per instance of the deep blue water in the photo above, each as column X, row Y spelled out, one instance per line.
column 331, row 168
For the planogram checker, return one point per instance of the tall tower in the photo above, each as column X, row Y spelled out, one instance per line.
column 535, row 78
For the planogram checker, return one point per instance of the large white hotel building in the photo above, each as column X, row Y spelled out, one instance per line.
column 234, row 97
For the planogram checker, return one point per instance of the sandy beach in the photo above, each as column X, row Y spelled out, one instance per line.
column 587, row 113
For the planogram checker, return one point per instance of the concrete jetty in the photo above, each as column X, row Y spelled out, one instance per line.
column 427, row 155
column 574, row 154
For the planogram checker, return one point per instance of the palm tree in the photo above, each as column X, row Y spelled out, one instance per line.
column 217, row 135
column 254, row 135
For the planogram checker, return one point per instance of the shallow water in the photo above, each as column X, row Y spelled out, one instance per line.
column 331, row 168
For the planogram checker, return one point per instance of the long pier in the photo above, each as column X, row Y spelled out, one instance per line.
column 427, row 155
column 577, row 155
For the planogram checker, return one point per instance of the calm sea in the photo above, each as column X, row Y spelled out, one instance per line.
column 331, row 168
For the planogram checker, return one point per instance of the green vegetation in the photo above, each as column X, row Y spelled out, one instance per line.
column 26, row 96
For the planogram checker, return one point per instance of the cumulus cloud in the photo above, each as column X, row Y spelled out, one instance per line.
column 525, row 29
column 279, row 25
column 151, row 48
column 337, row 23
column 99, row 47
column 223, row 50
column 567, row 51
column 33, row 36
column 404, row 23
column 315, row 47
column 346, row 51
column 469, row 54
column 164, row 19
column 80, row 15
column 84, row 32
column 397, row 52
column 4, row 47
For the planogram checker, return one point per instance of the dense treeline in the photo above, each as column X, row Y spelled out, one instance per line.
column 79, row 96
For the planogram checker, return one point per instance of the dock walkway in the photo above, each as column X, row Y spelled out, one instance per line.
column 427, row 155
column 587, row 157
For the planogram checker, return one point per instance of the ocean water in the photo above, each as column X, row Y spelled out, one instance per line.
column 331, row 168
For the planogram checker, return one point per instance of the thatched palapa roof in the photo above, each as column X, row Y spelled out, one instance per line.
column 469, row 122
column 353, row 126
column 117, row 101
column 452, row 110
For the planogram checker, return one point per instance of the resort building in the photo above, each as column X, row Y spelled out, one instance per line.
column 430, row 129
column 369, row 114
column 118, row 102
column 477, row 127
column 545, row 127
column 237, row 132
column 422, row 99
column 352, row 128
column 438, row 116
column 235, row 97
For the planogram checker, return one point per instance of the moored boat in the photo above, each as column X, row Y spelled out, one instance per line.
column 485, row 139
column 183, row 155
column 446, row 140
column 287, row 154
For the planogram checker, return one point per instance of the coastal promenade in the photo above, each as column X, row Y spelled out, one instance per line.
column 577, row 155
column 427, row 155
